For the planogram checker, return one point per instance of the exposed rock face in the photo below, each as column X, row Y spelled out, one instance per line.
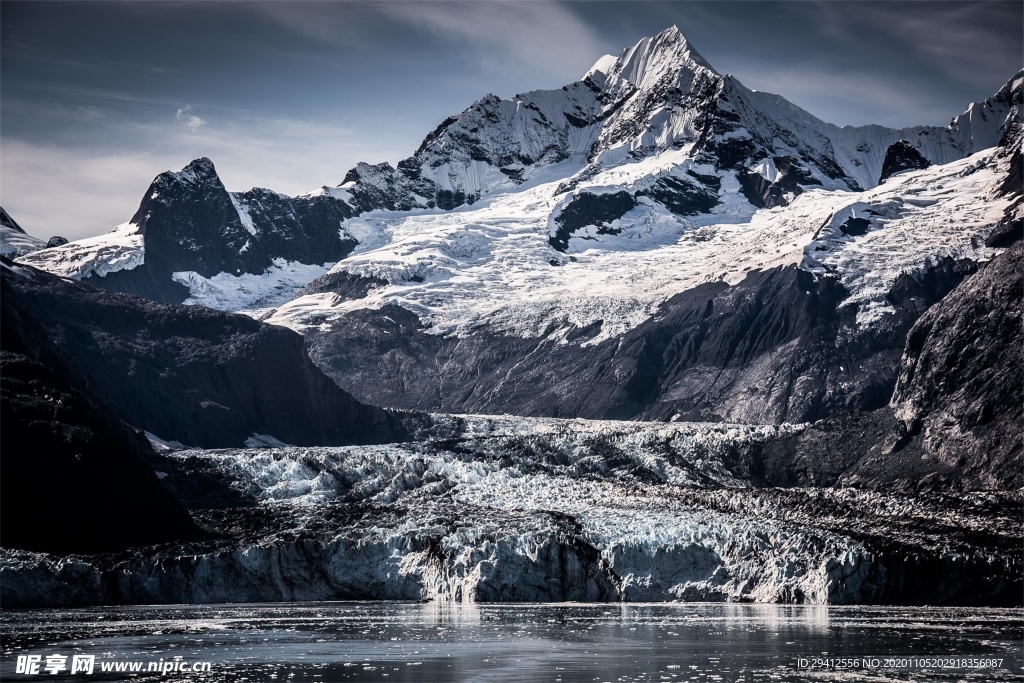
column 901, row 156
column 505, row 509
column 191, row 223
column 188, row 374
column 380, row 186
column 789, row 181
column 1011, row 228
column 588, row 209
column 345, row 285
column 953, row 421
column 72, row 478
column 961, row 384
column 778, row 347
column 7, row 222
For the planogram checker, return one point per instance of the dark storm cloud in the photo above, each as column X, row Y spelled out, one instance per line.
column 99, row 97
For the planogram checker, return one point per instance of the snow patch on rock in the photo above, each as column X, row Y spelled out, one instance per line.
column 492, row 265
column 14, row 243
column 915, row 219
column 248, row 293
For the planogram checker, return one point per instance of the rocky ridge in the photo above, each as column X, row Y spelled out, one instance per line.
column 656, row 126
column 189, row 228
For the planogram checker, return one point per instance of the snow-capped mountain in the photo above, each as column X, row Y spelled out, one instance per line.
column 738, row 296
column 674, row 243
column 743, row 314
column 14, row 242
column 655, row 130
column 657, row 96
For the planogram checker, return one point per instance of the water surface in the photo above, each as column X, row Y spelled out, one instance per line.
column 426, row 642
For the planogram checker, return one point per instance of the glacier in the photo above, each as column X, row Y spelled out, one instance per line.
column 493, row 508
column 120, row 249
column 490, row 264
column 717, row 180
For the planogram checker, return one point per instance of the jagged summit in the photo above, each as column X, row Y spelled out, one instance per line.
column 647, row 146
column 651, row 59
column 655, row 98
column 189, row 228
column 601, row 66
column 985, row 121
column 198, row 170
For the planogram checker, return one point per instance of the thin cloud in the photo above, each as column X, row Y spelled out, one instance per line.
column 533, row 35
column 949, row 36
column 341, row 24
column 186, row 118
column 854, row 98
column 97, row 191
column 548, row 41
column 26, row 50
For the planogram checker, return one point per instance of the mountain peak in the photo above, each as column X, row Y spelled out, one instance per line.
column 198, row 170
column 672, row 36
column 651, row 59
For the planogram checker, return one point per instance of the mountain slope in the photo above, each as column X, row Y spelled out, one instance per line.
column 961, row 386
column 60, row 444
column 185, row 374
column 54, row 440
column 953, row 420
column 800, row 312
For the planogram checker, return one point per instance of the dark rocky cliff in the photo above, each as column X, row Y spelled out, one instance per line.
column 191, row 223
column 954, row 418
column 960, row 392
column 188, row 374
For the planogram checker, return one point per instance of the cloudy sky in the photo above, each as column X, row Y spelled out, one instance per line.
column 98, row 98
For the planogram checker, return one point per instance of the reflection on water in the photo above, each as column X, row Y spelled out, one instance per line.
column 382, row 641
